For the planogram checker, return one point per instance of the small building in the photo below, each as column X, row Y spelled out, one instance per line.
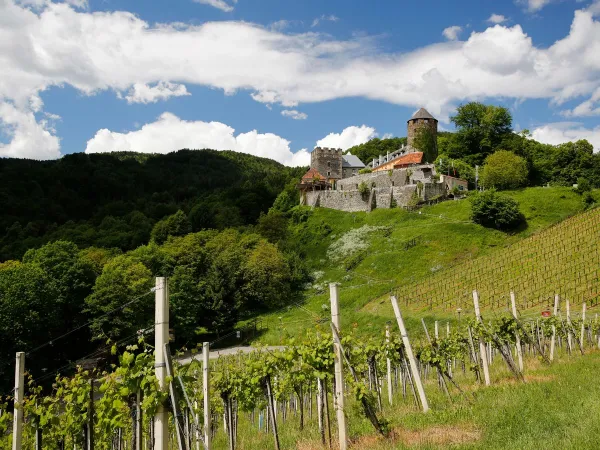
column 351, row 164
column 401, row 162
column 453, row 182
column 313, row 181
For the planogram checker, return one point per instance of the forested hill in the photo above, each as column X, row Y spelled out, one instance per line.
column 115, row 199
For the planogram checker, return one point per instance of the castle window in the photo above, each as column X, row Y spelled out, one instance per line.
column 328, row 164
column 426, row 120
column 328, row 173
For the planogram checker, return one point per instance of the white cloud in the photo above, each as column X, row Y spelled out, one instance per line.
column 590, row 107
column 169, row 133
column 349, row 137
column 219, row 4
column 387, row 136
column 497, row 19
column 292, row 113
column 117, row 50
column 324, row 18
column 451, row 33
column 28, row 138
column 561, row 132
column 143, row 93
column 535, row 5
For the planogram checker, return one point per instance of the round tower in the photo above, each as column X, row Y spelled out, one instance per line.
column 421, row 119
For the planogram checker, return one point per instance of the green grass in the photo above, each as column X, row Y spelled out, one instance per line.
column 444, row 236
column 556, row 408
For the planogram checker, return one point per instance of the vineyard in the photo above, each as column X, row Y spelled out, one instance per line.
column 329, row 387
column 564, row 259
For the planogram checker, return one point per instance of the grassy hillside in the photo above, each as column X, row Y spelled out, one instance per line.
column 372, row 255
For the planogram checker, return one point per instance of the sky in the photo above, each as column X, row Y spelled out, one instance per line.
column 275, row 78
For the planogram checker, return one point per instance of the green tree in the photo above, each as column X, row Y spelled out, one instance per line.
column 494, row 210
column 29, row 316
column 272, row 226
column 123, row 280
column 504, row 170
column 480, row 130
column 174, row 225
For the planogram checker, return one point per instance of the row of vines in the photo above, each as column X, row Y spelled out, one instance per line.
column 564, row 259
column 276, row 392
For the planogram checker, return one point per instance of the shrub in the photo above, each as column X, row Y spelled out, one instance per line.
column 504, row 170
column 363, row 189
column 583, row 185
column 588, row 199
column 494, row 210
column 365, row 170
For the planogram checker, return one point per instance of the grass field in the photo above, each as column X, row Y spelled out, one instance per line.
column 405, row 248
column 556, row 408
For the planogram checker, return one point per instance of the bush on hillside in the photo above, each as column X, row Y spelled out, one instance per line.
column 494, row 210
column 504, row 170
column 583, row 185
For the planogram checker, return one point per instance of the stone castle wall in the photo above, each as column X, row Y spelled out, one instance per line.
column 353, row 201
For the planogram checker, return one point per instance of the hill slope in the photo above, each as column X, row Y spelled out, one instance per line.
column 113, row 199
column 373, row 255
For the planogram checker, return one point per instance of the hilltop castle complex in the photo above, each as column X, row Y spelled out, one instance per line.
column 405, row 177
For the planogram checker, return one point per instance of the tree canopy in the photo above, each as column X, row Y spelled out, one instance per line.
column 504, row 170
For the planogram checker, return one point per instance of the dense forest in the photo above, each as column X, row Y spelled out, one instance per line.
column 114, row 200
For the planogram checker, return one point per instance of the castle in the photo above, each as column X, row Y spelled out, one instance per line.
column 402, row 178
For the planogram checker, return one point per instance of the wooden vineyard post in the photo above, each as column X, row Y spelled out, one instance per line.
column 339, row 376
column 553, row 341
column 583, row 308
column 271, row 405
column 482, row 346
column 206, row 393
column 17, row 433
column 161, row 337
column 177, row 417
column 517, row 337
column 409, row 353
column 569, row 326
column 389, row 365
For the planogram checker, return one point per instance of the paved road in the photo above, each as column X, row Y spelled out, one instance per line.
column 225, row 352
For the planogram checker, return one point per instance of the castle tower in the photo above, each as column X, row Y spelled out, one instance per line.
column 421, row 119
column 328, row 162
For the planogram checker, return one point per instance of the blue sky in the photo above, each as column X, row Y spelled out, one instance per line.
column 277, row 77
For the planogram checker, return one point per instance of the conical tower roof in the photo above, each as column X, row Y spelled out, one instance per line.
column 422, row 114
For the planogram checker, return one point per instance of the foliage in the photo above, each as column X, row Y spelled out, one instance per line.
column 365, row 170
column 425, row 141
column 114, row 199
column 495, row 210
column 363, row 189
column 583, row 185
column 174, row 225
column 504, row 170
column 480, row 129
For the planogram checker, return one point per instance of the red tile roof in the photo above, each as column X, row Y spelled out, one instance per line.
column 409, row 158
column 313, row 174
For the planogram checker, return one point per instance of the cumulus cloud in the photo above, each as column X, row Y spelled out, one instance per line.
column 292, row 113
column 117, row 50
column 451, row 33
column 497, row 19
column 349, row 137
column 28, row 138
column 143, row 93
column 219, row 4
column 169, row 133
column 561, row 132
column 590, row 107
